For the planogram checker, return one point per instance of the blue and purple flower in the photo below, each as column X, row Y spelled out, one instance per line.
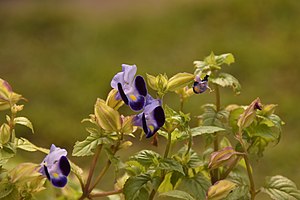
column 132, row 91
column 56, row 166
column 152, row 118
column 200, row 86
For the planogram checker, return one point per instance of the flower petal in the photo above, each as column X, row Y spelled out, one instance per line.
column 140, row 85
column 64, row 165
column 129, row 72
column 60, row 181
column 137, row 103
column 122, row 94
column 118, row 78
column 45, row 172
column 159, row 116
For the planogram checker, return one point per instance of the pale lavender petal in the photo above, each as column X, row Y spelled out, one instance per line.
column 129, row 73
column 118, row 78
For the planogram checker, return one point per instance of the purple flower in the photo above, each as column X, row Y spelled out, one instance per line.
column 132, row 91
column 153, row 117
column 56, row 166
column 200, row 86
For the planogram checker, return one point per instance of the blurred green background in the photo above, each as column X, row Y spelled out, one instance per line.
column 62, row 55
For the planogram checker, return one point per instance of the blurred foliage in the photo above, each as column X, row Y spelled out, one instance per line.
column 63, row 56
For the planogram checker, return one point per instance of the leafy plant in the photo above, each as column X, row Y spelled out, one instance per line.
column 234, row 135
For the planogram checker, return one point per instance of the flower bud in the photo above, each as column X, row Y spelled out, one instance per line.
column 106, row 117
column 4, row 133
column 180, row 80
column 112, row 100
column 248, row 116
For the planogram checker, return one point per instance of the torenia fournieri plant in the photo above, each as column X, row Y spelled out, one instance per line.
column 233, row 136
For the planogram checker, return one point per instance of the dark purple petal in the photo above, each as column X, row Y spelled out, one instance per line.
column 145, row 128
column 122, row 94
column 205, row 78
column 64, row 166
column 200, row 87
column 138, row 104
column 140, row 85
column 46, row 172
column 61, row 181
column 159, row 116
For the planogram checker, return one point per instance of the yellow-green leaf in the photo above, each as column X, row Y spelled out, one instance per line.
column 24, row 121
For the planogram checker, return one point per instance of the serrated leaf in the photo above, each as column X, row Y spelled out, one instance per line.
column 177, row 194
column 205, row 130
column 86, row 147
column 220, row 190
column 211, row 117
column 107, row 118
column 227, row 80
column 280, row 187
column 170, row 165
column 25, row 122
column 196, row 186
column 146, row 158
column 134, row 187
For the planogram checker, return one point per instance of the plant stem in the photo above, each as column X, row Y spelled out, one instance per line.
column 248, row 166
column 168, row 147
column 104, row 194
column 166, row 155
column 100, row 176
column 215, row 173
column 190, row 142
column 92, row 168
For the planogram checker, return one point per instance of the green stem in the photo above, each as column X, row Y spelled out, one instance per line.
column 100, row 176
column 168, row 147
column 248, row 167
column 166, row 155
column 190, row 142
column 215, row 173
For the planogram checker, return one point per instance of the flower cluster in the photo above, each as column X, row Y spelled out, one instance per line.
column 133, row 91
column 56, row 166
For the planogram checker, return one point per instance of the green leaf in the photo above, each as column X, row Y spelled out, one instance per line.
column 86, row 147
column 205, row 130
column 226, row 58
column 166, row 184
column 280, row 187
column 146, row 158
column 211, row 117
column 180, row 80
column 5, row 188
column 220, row 190
column 6, row 152
column 24, row 121
column 196, row 186
column 26, row 145
column 177, row 194
column 134, row 188
column 227, row 80
column 170, row 165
